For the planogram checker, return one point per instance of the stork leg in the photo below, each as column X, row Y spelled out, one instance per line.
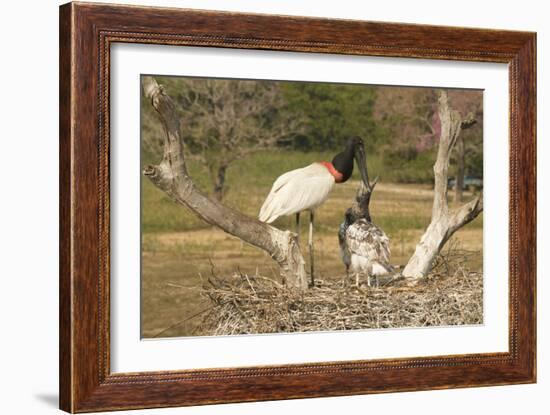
column 298, row 228
column 310, row 244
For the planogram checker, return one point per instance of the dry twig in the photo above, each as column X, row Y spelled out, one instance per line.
column 245, row 304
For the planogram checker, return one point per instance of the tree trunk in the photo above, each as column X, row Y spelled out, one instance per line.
column 172, row 177
column 444, row 223
column 219, row 182
column 459, row 182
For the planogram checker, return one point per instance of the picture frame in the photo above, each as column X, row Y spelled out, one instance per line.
column 87, row 32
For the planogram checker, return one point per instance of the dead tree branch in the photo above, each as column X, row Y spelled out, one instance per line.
column 172, row 177
column 444, row 223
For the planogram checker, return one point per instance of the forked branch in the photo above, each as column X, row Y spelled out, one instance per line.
column 444, row 223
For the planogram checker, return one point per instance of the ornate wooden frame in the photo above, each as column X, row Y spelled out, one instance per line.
column 86, row 33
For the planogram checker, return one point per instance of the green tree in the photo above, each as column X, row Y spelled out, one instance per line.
column 332, row 113
column 223, row 121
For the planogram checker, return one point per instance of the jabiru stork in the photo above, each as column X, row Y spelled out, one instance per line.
column 307, row 188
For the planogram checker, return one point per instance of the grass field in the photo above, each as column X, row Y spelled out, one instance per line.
column 178, row 249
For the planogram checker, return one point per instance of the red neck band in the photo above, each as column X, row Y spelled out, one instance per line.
column 338, row 177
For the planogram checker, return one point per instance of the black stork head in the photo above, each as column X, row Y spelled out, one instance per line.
column 343, row 162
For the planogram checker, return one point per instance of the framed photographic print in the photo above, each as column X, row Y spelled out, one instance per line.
column 260, row 207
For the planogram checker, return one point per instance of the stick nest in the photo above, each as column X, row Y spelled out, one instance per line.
column 244, row 304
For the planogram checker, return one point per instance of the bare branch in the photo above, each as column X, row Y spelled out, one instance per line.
column 172, row 177
column 466, row 213
column 444, row 223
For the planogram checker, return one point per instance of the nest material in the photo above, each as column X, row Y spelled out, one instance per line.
column 245, row 304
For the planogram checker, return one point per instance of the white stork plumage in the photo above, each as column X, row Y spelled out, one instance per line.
column 297, row 190
column 365, row 248
column 308, row 187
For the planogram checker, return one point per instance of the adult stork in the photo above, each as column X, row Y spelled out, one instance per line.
column 307, row 188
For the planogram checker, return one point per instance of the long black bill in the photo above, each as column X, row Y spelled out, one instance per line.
column 362, row 165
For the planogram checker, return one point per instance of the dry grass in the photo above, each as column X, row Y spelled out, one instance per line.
column 244, row 304
column 172, row 262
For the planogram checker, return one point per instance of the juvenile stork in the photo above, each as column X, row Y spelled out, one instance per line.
column 364, row 247
column 308, row 187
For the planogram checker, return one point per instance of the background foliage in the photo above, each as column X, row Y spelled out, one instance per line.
column 399, row 125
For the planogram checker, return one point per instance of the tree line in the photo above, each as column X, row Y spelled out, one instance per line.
column 226, row 120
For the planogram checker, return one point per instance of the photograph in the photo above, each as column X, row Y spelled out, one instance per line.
column 275, row 206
